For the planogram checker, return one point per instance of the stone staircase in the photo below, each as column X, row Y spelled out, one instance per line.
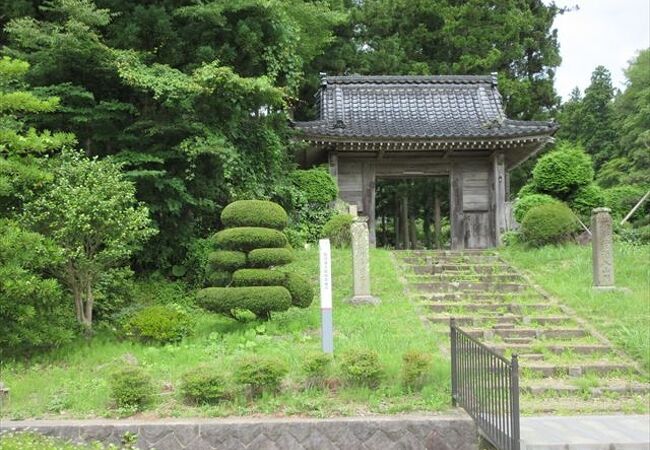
column 566, row 367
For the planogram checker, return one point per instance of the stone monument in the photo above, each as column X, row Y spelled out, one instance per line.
column 602, row 248
column 361, row 263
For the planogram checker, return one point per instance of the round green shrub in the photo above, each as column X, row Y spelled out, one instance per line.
column 226, row 261
column 527, row 189
column 361, row 367
column 158, row 324
column 416, row 369
column 203, row 385
column 621, row 199
column 260, row 373
column 218, row 279
column 254, row 213
column 548, row 224
column 563, row 171
column 302, row 293
column 316, row 185
column 261, row 300
column 588, row 198
column 131, row 387
column 525, row 203
column 269, row 257
column 316, row 364
column 337, row 229
column 245, row 239
column 258, row 277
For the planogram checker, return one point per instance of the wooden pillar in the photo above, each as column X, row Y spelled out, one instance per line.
column 404, row 221
column 436, row 219
column 457, row 217
column 333, row 160
column 428, row 212
column 413, row 233
column 396, row 223
column 499, row 189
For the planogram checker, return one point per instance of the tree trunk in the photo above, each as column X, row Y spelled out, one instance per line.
column 436, row 219
column 396, row 223
column 404, row 221
column 384, row 232
column 413, row 233
column 428, row 238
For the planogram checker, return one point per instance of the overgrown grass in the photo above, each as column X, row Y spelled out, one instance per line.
column 622, row 315
column 72, row 381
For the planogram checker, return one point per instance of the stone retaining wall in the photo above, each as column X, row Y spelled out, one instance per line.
column 367, row 433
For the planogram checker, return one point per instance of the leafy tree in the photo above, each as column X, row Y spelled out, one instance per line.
column 90, row 211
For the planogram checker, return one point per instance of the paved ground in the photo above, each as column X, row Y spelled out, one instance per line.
column 585, row 433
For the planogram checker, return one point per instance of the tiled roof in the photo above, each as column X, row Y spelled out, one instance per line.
column 414, row 107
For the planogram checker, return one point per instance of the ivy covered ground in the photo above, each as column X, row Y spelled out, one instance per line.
column 74, row 381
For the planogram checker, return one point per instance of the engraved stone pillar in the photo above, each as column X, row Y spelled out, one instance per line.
column 602, row 248
column 361, row 262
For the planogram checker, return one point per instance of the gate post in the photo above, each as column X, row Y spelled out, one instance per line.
column 514, row 400
column 454, row 361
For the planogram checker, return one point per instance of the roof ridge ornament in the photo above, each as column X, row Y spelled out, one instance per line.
column 340, row 124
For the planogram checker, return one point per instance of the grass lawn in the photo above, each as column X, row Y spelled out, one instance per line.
column 623, row 316
column 72, row 381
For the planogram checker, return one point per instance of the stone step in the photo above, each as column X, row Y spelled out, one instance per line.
column 539, row 404
column 563, row 387
column 492, row 307
column 579, row 349
column 517, row 340
column 540, row 333
column 476, row 297
column 477, row 321
column 459, row 268
column 468, row 286
column 575, row 370
column 531, row 356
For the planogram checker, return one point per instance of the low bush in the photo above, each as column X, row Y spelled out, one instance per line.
column 316, row 367
column 337, row 229
column 527, row 189
column 526, row 203
column 260, row 373
column 511, row 237
column 632, row 235
column 586, row 199
column 416, row 369
column 361, row 367
column 548, row 224
column 260, row 300
column 203, row 385
column 245, row 239
column 621, row 200
column 258, row 277
column 302, row 293
column 36, row 441
column 254, row 213
column 562, row 172
column 226, row 261
column 131, row 387
column 317, row 185
column 158, row 324
column 269, row 257
column 218, row 279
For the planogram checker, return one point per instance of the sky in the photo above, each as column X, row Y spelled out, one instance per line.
column 600, row 32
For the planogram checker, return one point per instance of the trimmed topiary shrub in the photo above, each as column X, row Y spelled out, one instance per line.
column 621, row 200
column 416, row 369
column 254, row 213
column 527, row 189
column 300, row 288
column 218, row 279
column 586, row 199
column 226, row 261
column 258, row 277
column 563, row 171
column 269, row 257
column 260, row 300
column 525, row 203
column 548, row 224
column 245, row 239
column 260, row 373
column 337, row 229
column 158, row 324
column 131, row 387
column 361, row 367
column 203, row 385
column 317, row 185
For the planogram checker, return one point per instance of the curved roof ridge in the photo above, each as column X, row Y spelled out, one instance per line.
column 407, row 79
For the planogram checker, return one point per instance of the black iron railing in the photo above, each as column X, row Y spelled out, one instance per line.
column 486, row 385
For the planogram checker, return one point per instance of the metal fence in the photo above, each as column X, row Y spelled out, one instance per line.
column 486, row 385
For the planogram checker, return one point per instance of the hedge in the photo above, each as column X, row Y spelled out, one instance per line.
column 227, row 261
column 246, row 239
column 527, row 202
column 220, row 279
column 621, row 199
column 260, row 300
column 258, row 277
column 548, row 224
column 588, row 198
column 269, row 257
column 254, row 213
column 337, row 229
column 300, row 288
column 563, row 171
column 316, row 185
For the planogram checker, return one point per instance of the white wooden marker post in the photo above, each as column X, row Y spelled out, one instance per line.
column 326, row 296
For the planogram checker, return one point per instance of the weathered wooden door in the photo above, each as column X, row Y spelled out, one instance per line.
column 471, row 224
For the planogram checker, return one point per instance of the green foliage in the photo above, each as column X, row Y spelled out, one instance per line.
column 361, row 367
column 548, row 224
column 258, row 277
column 621, row 200
column 260, row 300
column 302, row 293
column 588, row 198
column 416, row 369
column 316, row 365
column 91, row 212
column 317, row 185
column 35, row 441
column 204, row 385
column 563, row 171
column 527, row 189
column 131, row 388
column 227, row 261
column 245, row 239
column 34, row 312
column 269, row 257
column 260, row 373
column 337, row 229
column 159, row 324
column 218, row 279
column 526, row 202
column 254, row 213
